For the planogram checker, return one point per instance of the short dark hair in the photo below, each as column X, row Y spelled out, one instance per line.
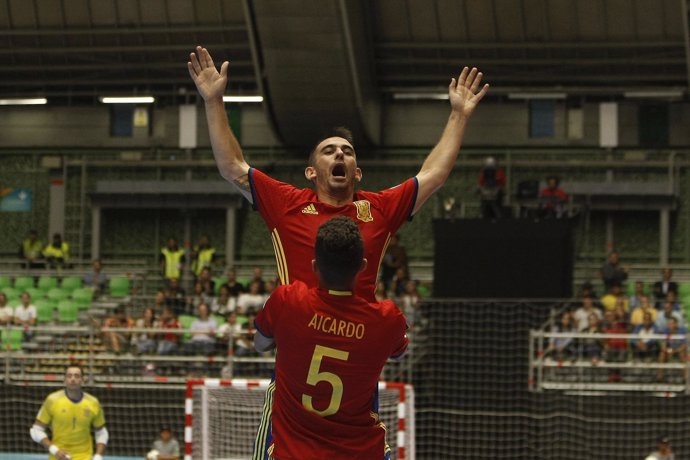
column 339, row 251
column 74, row 365
column 338, row 131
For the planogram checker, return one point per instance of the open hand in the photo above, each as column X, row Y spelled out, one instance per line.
column 209, row 82
column 463, row 93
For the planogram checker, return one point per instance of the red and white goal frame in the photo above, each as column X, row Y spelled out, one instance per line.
column 404, row 439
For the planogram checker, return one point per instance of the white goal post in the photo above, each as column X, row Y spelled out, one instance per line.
column 221, row 418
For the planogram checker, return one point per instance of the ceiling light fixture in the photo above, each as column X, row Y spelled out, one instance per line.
column 420, row 96
column 29, row 101
column 537, row 95
column 127, row 100
column 653, row 94
column 243, row 98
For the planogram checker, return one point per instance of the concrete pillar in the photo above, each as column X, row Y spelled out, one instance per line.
column 664, row 235
column 230, row 217
column 95, row 232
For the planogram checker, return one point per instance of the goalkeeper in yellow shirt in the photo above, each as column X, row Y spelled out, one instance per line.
column 71, row 414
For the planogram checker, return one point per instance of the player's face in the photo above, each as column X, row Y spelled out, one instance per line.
column 73, row 378
column 334, row 166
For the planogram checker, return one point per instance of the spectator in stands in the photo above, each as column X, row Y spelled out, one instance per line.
column 235, row 288
column 644, row 308
column 587, row 290
column 6, row 312
column 397, row 286
column 203, row 329
column 644, row 347
column 172, row 259
column 614, row 297
column 582, row 314
column 563, row 347
column 615, row 349
column 553, row 199
column 246, row 340
column 634, row 300
column 675, row 344
column 168, row 341
column 31, row 251
column 612, row 272
column 145, row 342
column 96, row 278
column 252, row 299
column 25, row 315
column 492, row 183
column 269, row 287
column 203, row 256
column 198, row 296
column 165, row 447
column 159, row 302
column 207, row 283
column 663, row 287
column 57, row 252
column 223, row 303
column 672, row 298
column 233, row 332
column 409, row 303
column 666, row 314
column 395, row 258
column 592, row 347
column 258, row 277
column 663, row 451
column 116, row 341
column 175, row 296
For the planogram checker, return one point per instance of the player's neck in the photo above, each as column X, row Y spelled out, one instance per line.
column 74, row 395
column 335, row 198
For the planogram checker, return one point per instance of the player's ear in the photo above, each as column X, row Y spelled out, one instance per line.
column 364, row 265
column 313, row 266
column 358, row 175
column 310, row 173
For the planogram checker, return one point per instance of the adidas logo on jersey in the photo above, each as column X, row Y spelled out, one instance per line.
column 311, row 209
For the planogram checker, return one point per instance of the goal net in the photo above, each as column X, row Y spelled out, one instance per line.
column 221, row 418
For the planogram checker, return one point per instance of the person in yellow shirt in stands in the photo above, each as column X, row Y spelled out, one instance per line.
column 71, row 414
column 614, row 298
column 57, row 253
column 171, row 261
column 31, row 250
column 203, row 256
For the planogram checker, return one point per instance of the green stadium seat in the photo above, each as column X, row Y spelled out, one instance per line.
column 11, row 293
column 12, row 339
column 5, row 282
column 218, row 282
column 44, row 311
column 185, row 323
column 67, row 311
column 46, row 283
column 83, row 298
column 35, row 294
column 71, row 283
column 242, row 320
column 22, row 283
column 57, row 294
column 683, row 290
column 119, row 286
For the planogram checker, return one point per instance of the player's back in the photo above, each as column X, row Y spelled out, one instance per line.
column 331, row 349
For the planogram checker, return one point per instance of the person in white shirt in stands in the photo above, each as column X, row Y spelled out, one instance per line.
column 6, row 312
column 203, row 331
column 25, row 315
column 252, row 299
column 581, row 315
column 96, row 278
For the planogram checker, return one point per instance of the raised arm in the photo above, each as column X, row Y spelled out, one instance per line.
column 211, row 86
column 464, row 95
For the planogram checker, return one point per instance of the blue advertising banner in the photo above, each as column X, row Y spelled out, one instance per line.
column 15, row 199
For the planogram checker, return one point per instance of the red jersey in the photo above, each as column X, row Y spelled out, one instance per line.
column 333, row 346
column 293, row 217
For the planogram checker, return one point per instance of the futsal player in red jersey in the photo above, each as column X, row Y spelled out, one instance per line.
column 292, row 215
column 333, row 345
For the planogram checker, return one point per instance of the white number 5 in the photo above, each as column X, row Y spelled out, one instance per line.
column 315, row 377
